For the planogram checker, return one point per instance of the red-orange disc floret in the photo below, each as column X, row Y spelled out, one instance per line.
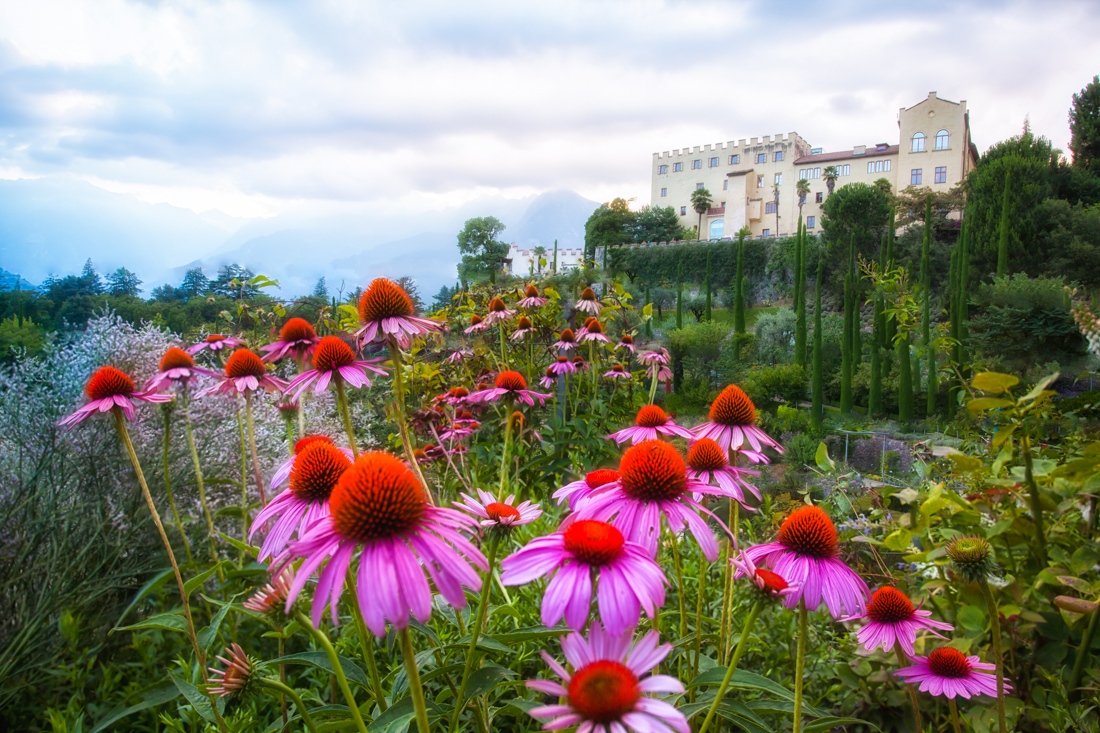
column 733, row 407
column 706, row 455
column 594, row 542
column 316, row 471
column 475, row 319
column 244, row 363
column 376, row 498
column 384, row 299
column 948, row 662
column 498, row 511
column 176, row 358
column 809, row 531
column 626, row 339
column 496, row 305
column 773, row 582
column 459, row 392
column 588, row 294
column 512, row 381
column 653, row 471
column 108, row 382
column 309, row 440
column 651, row 416
column 524, row 322
column 297, row 329
column 603, row 691
column 532, row 292
column 214, row 338
column 331, row 353
column 889, row 606
column 593, row 326
column 567, row 336
column 600, row 477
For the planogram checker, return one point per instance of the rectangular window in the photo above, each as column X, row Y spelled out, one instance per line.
column 677, row 167
column 760, row 181
column 817, row 173
column 779, row 179
column 664, row 192
column 810, row 222
column 819, row 197
column 847, row 171
column 761, row 157
column 885, row 165
column 735, row 159
column 662, row 169
column 725, row 184
column 870, row 166
column 698, row 186
column 696, row 164
column 769, row 208
column 915, row 177
column 766, row 233
column 803, row 175
column 778, row 155
column 683, row 211
column 941, row 174
column 714, row 162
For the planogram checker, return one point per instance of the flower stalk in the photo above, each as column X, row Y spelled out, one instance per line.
column 334, row 661
column 168, row 485
column 475, row 633
column 903, row 662
column 187, row 428
column 995, row 624
column 800, row 664
column 402, row 424
column 416, row 691
column 750, row 621
column 252, row 447
column 345, row 413
column 277, row 688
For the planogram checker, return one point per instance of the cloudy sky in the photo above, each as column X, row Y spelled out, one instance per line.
column 259, row 107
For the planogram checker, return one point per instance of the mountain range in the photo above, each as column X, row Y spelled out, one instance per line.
column 51, row 226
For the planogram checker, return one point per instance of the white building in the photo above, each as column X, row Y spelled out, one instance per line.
column 522, row 262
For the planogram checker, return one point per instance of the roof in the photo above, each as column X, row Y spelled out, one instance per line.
column 845, row 154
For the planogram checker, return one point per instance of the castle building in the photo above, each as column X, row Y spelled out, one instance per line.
column 753, row 182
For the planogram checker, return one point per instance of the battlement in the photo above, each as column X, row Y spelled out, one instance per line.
column 790, row 138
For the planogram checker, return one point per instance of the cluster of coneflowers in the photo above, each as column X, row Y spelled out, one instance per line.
column 371, row 522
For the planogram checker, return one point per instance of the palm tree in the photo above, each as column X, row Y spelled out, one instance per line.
column 802, row 188
column 775, row 198
column 830, row 174
column 700, row 201
column 539, row 253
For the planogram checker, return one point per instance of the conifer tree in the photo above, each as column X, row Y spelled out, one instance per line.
column 891, row 323
column 555, row 270
column 874, row 399
column 707, row 311
column 800, row 298
column 905, row 379
column 926, row 319
column 1002, row 244
column 846, row 340
column 857, row 320
column 680, row 294
column 649, row 323
column 739, row 303
column 817, row 400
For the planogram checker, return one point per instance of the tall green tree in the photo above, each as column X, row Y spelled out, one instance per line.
column 830, row 174
column 817, row 400
column 701, row 201
column 1002, row 237
column 905, row 378
column 847, row 339
column 554, row 267
column 482, row 251
column 1084, row 127
column 739, row 284
column 932, row 385
column 657, row 224
column 855, row 215
column 648, row 323
column 123, row 283
column 679, row 295
column 800, row 298
column 195, row 282
column 707, row 312
column 609, row 226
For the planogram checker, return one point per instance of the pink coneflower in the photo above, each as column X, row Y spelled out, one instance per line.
column 805, row 553
column 296, row 339
column 107, row 389
column 271, row 598
column 176, row 367
column 650, row 423
column 215, row 342
column 312, row 478
column 495, row 513
column 466, row 419
column 768, row 583
column 477, row 325
column 282, row 473
column 708, row 463
column 588, row 302
column 949, row 672
column 523, row 328
column 593, row 331
column 237, row 677
column 380, row 511
column 244, row 370
column 456, row 396
column 549, row 379
column 333, row 359
column 498, row 312
column 434, row 452
column 626, row 342
column 532, row 299
column 605, row 692
column 580, row 489
column 628, row 581
column 385, row 310
column 733, row 422
column 662, row 372
column 566, row 340
column 652, row 484
column 618, row 371
column 579, row 364
column 892, row 619
column 511, row 385
column 563, row 365
column 459, row 355
column 655, row 356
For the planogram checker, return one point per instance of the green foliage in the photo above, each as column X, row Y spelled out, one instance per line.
column 123, row 283
column 771, row 386
column 701, row 340
column 775, row 337
column 13, row 337
column 857, row 212
column 481, row 251
column 1084, row 127
column 657, row 224
column 608, row 226
column 657, row 266
column 801, row 449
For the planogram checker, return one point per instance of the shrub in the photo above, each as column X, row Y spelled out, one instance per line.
column 770, row 386
column 801, row 450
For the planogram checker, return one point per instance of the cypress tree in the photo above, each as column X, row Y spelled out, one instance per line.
column 926, row 319
column 891, row 323
column 857, row 320
column 846, row 341
column 964, row 300
column 1002, row 244
column 555, row 257
column 707, row 316
column 817, row 403
column 739, row 303
column 874, row 399
column 680, row 294
column 905, row 380
column 800, row 299
column 649, row 323
column 953, row 311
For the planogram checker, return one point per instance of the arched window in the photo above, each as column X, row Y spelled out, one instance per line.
column 918, row 142
column 717, row 228
column 942, row 140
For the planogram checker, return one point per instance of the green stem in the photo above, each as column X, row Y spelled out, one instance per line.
column 302, row 403
column 252, row 447
column 653, row 383
column 903, row 662
column 507, row 444
column 475, row 633
column 703, row 569
column 503, row 352
column 1082, row 657
column 168, row 487
column 201, row 486
column 1036, row 505
column 723, row 621
column 278, row 688
column 745, row 631
column 402, row 425
column 244, row 479
column 995, row 623
column 290, row 438
column 800, row 664
column 954, row 715
column 416, row 691
column 334, row 661
column 366, row 640
column 680, row 582
column 345, row 413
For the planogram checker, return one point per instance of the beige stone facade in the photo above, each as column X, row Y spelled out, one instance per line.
column 935, row 150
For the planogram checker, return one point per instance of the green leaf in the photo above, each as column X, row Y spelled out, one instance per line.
column 1040, row 386
column 983, row 404
column 208, row 634
column 242, row 546
column 320, row 660
column 831, row 723
column 898, row 540
column 396, row 719
column 1003, row 434
column 822, row 459
column 146, row 589
column 485, row 679
column 971, row 618
column 154, row 698
column 190, row 586
column 751, row 681
column 1075, row 605
column 199, row 701
column 165, row 621
column 994, row 382
column 964, row 463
